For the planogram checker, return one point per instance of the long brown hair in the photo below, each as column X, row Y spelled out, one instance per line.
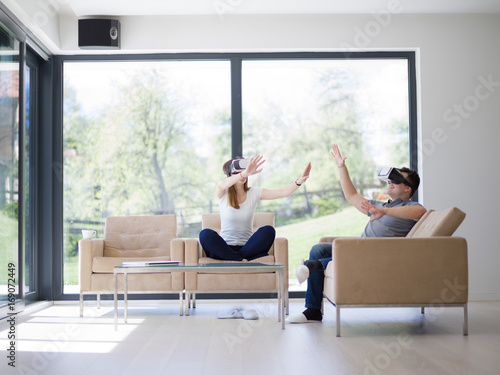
column 231, row 192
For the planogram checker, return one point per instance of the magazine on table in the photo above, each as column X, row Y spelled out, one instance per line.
column 149, row 263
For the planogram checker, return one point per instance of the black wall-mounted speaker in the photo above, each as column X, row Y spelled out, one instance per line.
column 97, row 33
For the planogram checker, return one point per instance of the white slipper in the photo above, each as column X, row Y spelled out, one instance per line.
column 234, row 314
column 299, row 319
column 302, row 272
column 250, row 314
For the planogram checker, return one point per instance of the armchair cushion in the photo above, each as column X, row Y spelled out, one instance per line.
column 139, row 236
column 438, row 223
column 107, row 264
column 268, row 259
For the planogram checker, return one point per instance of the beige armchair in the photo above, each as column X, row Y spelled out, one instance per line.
column 250, row 282
column 426, row 268
column 131, row 238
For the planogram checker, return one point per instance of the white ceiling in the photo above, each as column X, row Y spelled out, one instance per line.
column 82, row 8
column 53, row 22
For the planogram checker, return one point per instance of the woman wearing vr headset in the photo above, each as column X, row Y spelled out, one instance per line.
column 237, row 203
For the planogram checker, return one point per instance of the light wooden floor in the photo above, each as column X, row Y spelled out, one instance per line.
column 379, row 341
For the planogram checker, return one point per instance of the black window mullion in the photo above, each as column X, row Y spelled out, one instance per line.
column 33, row 131
column 236, row 109
column 20, row 170
column 413, row 120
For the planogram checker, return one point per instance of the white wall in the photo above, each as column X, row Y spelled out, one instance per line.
column 457, row 54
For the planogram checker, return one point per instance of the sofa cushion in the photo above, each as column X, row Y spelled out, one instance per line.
column 268, row 259
column 438, row 223
column 151, row 282
column 236, row 282
column 139, row 236
column 107, row 264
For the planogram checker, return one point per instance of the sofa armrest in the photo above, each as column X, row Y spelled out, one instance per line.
column 326, row 239
column 192, row 250
column 399, row 270
column 88, row 249
column 281, row 256
column 192, row 256
column 177, row 250
column 177, row 253
column 331, row 238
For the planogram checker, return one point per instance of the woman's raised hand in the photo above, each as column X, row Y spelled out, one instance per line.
column 254, row 166
column 305, row 174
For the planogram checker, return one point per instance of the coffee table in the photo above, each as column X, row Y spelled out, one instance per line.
column 212, row 267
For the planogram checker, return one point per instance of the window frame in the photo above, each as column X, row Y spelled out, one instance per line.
column 30, row 245
column 236, row 60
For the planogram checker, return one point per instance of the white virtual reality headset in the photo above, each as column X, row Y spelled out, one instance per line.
column 393, row 175
column 237, row 166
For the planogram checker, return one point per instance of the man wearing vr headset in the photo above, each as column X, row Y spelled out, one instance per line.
column 393, row 218
column 237, row 203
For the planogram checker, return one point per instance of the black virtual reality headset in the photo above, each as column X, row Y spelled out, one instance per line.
column 392, row 174
column 237, row 166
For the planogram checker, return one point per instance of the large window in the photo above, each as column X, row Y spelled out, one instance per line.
column 295, row 110
column 9, row 167
column 141, row 138
column 150, row 137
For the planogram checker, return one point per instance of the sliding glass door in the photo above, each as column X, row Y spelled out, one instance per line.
column 18, row 123
column 10, row 266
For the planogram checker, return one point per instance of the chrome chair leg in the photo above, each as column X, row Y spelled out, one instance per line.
column 81, row 304
column 466, row 321
column 337, row 309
